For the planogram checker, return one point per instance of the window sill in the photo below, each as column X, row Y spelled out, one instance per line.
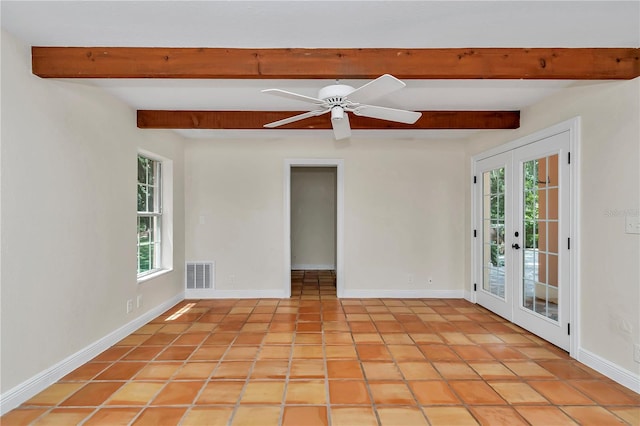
column 153, row 275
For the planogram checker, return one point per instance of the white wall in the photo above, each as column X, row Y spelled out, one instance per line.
column 404, row 210
column 68, row 217
column 313, row 217
column 609, row 186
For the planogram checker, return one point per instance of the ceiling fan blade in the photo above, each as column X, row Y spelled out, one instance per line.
column 291, row 95
column 390, row 114
column 296, row 118
column 377, row 88
column 341, row 127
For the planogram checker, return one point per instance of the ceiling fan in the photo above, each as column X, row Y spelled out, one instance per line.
column 338, row 99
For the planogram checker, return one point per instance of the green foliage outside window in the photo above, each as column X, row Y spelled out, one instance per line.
column 149, row 214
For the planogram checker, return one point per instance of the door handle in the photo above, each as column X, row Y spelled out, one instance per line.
column 515, row 246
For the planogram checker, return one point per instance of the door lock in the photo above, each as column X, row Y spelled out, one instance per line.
column 515, row 246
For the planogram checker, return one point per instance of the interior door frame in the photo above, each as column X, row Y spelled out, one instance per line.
column 573, row 127
column 289, row 163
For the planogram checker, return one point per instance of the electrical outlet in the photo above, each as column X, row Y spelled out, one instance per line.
column 636, row 353
column 139, row 301
column 430, row 280
column 129, row 306
column 410, row 278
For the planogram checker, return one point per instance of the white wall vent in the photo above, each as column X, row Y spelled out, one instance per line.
column 199, row 275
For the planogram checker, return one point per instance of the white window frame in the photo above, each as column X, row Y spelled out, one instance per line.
column 164, row 214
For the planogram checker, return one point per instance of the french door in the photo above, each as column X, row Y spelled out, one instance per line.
column 522, row 244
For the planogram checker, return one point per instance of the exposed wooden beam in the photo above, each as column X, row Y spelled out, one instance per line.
column 467, row 63
column 162, row 119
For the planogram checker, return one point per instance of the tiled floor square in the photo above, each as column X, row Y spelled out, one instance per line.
column 398, row 416
column 341, row 352
column 385, row 370
column 476, row 393
column 209, row 416
column 306, row 392
column 178, row 393
column 256, row 416
column 54, row 394
column 447, row 416
column 121, row 371
column 93, row 394
column 605, row 393
column 405, row 353
column 133, row 393
column 455, row 370
column 560, row 393
column 23, row 416
column 154, row 416
column 418, row 370
column 500, row 416
column 220, row 392
column 63, row 416
column 545, row 416
column 528, row 369
column 518, row 393
column 307, row 369
column 232, row 370
column 350, row 416
column 158, row 371
column 308, row 416
column 86, row 372
column 592, row 416
column 396, row 393
column 344, row 369
column 195, row 370
column 492, row 370
column 373, row 352
column 112, row 416
column 348, row 392
column 433, row 392
column 270, row 392
column 438, row 352
column 270, row 369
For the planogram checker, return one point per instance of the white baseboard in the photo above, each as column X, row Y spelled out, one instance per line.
column 468, row 295
column 613, row 371
column 27, row 389
column 233, row 294
column 310, row 267
column 402, row 294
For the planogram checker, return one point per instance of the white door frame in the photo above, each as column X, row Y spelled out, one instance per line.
column 314, row 162
column 573, row 127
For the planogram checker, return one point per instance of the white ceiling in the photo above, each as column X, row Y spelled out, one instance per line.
column 345, row 23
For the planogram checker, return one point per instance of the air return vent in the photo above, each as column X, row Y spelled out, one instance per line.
column 199, row 275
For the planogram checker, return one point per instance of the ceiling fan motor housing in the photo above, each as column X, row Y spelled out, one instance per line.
column 335, row 94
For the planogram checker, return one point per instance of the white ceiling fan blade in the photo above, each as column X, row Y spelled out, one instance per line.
column 341, row 127
column 291, row 95
column 390, row 114
column 296, row 118
column 375, row 89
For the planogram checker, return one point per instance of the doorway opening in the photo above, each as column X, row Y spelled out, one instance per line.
column 313, row 227
column 313, row 232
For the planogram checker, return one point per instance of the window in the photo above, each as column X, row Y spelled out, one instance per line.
column 150, row 215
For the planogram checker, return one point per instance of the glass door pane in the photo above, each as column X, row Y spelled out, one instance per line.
column 540, row 236
column 493, row 231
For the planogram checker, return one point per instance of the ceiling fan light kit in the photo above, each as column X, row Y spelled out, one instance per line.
column 341, row 98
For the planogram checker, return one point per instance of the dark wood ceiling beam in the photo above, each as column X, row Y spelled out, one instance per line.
column 221, row 120
column 456, row 63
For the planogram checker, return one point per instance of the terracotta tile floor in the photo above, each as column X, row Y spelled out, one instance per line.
column 317, row 360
